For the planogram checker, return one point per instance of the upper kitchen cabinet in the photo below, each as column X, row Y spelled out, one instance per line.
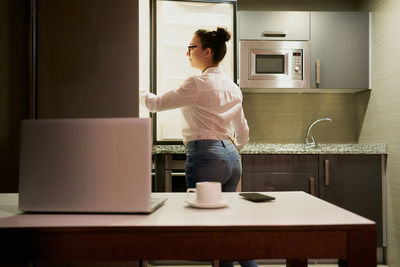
column 273, row 25
column 340, row 50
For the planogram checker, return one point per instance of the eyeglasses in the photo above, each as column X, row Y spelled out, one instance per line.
column 191, row 47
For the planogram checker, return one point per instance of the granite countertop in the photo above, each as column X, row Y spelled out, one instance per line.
column 265, row 148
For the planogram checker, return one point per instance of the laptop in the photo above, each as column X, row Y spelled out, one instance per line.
column 86, row 165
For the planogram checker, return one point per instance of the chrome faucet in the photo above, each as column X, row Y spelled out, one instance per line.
column 313, row 143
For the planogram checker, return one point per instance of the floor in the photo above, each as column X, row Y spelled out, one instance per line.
column 136, row 264
column 271, row 265
column 311, row 264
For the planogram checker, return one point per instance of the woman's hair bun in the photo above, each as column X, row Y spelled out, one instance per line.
column 216, row 40
column 223, row 34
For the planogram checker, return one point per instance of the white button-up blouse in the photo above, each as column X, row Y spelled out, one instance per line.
column 211, row 104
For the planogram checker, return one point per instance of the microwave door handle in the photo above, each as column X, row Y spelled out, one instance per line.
column 318, row 73
column 274, row 34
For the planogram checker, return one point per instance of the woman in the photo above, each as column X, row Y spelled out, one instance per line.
column 215, row 127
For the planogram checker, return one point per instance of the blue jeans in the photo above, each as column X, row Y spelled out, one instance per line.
column 215, row 161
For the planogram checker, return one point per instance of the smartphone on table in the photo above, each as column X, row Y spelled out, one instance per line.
column 256, row 197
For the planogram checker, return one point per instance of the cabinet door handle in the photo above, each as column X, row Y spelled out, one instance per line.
column 312, row 186
column 274, row 34
column 178, row 174
column 326, row 172
column 168, row 180
column 318, row 72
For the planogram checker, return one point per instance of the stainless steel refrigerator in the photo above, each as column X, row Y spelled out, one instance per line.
column 173, row 24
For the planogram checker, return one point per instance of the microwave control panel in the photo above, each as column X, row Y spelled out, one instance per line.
column 297, row 67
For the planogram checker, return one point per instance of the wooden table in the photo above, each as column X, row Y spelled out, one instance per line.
column 296, row 226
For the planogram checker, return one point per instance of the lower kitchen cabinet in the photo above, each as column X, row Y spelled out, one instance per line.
column 270, row 172
column 354, row 182
column 169, row 173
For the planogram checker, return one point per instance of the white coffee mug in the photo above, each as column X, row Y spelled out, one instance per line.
column 206, row 192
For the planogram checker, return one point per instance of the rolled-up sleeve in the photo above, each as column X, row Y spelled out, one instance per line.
column 185, row 95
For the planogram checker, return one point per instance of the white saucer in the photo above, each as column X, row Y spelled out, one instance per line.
column 217, row 205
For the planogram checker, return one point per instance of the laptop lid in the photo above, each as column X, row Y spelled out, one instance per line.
column 85, row 165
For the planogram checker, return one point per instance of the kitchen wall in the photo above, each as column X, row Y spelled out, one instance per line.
column 382, row 118
column 284, row 118
column 88, row 59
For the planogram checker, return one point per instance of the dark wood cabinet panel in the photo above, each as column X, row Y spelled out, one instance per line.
column 169, row 173
column 353, row 182
column 288, row 163
column 280, row 173
column 280, row 182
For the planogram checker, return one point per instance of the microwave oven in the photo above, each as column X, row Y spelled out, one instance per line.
column 274, row 64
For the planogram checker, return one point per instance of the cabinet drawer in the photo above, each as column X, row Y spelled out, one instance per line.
column 280, row 163
column 281, row 182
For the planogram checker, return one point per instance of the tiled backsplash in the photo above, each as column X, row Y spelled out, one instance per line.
column 284, row 118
